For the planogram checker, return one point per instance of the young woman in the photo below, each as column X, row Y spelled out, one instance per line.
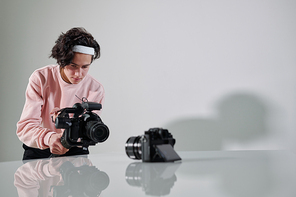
column 55, row 87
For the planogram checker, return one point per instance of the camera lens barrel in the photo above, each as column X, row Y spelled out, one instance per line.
column 96, row 131
column 133, row 147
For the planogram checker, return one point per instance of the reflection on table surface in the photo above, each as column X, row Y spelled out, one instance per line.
column 65, row 176
column 205, row 173
column 155, row 179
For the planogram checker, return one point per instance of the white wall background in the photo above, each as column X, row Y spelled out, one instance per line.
column 219, row 74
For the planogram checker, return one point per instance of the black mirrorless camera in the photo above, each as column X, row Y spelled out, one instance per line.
column 156, row 145
column 84, row 125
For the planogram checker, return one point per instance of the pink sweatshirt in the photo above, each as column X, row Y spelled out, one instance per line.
column 45, row 91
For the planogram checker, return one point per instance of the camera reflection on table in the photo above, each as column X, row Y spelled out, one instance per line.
column 156, row 179
column 63, row 176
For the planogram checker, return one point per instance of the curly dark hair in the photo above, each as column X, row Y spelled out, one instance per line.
column 62, row 50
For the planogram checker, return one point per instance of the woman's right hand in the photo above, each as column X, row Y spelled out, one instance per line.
column 54, row 113
column 55, row 145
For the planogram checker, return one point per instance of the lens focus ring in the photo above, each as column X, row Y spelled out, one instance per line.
column 133, row 147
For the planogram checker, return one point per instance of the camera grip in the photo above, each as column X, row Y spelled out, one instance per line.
column 64, row 141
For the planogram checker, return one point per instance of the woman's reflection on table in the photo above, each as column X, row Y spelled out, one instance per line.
column 62, row 176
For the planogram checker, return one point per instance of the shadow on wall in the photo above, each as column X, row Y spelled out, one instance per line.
column 241, row 118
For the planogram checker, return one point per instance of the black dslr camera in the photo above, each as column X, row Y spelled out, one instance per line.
column 156, row 145
column 84, row 125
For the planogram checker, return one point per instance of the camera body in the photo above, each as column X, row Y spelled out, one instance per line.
column 156, row 145
column 84, row 128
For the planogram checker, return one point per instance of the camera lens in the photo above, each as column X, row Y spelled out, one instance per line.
column 96, row 131
column 133, row 147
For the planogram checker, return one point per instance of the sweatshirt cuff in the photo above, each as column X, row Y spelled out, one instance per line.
column 46, row 138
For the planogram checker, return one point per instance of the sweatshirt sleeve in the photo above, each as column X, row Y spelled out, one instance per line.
column 29, row 127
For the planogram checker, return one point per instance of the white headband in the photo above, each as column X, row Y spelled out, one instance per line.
column 84, row 49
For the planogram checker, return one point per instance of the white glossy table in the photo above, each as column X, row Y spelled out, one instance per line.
column 206, row 173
